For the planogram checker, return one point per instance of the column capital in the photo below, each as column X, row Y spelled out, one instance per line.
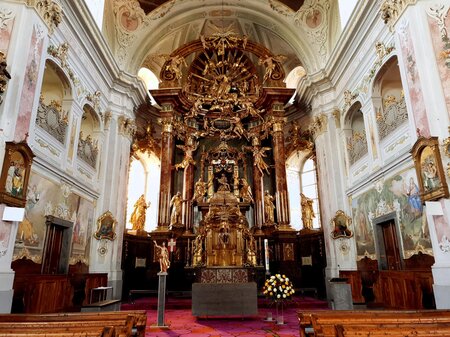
column 319, row 125
column 392, row 10
column 50, row 11
column 167, row 124
column 126, row 126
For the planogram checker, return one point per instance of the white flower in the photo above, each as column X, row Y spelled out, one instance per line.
column 284, row 296
column 275, row 289
column 278, row 296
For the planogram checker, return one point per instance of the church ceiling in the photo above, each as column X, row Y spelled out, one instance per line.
column 303, row 31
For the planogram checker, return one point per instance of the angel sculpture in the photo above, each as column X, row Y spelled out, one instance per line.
column 270, row 62
column 258, row 159
column 246, row 191
column 188, row 150
column 173, row 64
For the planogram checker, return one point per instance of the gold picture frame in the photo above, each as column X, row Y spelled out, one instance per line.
column 341, row 223
column 15, row 174
column 106, row 225
column 429, row 169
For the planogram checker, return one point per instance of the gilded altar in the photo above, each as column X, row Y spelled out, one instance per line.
column 224, row 237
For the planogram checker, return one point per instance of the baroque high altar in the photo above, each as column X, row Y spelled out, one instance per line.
column 222, row 101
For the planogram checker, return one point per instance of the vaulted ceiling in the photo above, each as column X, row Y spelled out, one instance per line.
column 141, row 31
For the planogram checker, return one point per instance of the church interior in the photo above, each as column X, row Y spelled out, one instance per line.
column 201, row 147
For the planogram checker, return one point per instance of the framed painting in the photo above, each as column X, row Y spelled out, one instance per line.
column 429, row 170
column 15, row 174
column 106, row 225
column 341, row 223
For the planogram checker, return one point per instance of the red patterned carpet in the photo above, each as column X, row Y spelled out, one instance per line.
column 181, row 322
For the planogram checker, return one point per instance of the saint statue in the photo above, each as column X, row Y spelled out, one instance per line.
column 223, row 181
column 138, row 216
column 199, row 190
column 163, row 254
column 307, row 211
column 269, row 208
column 176, row 203
column 246, row 191
column 198, row 250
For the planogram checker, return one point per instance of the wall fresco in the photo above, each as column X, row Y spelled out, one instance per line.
column 414, row 83
column 45, row 197
column 439, row 27
column 29, row 85
column 399, row 194
column 6, row 27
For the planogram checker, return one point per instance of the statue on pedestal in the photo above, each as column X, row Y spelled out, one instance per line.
column 163, row 253
column 138, row 216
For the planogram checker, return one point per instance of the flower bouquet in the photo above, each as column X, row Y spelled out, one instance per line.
column 279, row 289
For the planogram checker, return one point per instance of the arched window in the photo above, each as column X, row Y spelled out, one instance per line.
column 144, row 179
column 302, row 178
column 150, row 80
column 308, row 186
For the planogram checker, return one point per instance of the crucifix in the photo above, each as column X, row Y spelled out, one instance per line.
column 172, row 245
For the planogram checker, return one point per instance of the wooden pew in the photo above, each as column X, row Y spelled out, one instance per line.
column 104, row 324
column 352, row 323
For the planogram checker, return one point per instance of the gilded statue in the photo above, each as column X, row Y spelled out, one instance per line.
column 198, row 250
column 176, row 203
column 174, row 64
column 163, row 255
column 188, row 150
column 269, row 208
column 270, row 63
column 199, row 190
column 307, row 211
column 223, row 181
column 138, row 216
column 251, row 251
column 245, row 193
column 258, row 159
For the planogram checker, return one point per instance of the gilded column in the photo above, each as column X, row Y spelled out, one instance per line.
column 281, row 194
column 167, row 154
column 258, row 191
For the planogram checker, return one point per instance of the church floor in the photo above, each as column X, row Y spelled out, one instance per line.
column 181, row 322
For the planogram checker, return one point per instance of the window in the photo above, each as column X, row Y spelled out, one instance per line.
column 308, row 186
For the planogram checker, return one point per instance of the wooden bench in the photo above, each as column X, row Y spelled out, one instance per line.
column 104, row 324
column 352, row 323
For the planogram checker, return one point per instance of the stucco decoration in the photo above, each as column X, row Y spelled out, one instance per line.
column 53, row 119
column 131, row 19
column 391, row 10
column 392, row 115
column 50, row 11
column 312, row 18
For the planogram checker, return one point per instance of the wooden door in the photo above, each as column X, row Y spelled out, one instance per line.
column 391, row 247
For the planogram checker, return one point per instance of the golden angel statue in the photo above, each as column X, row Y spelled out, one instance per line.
column 188, row 159
column 307, row 211
column 258, row 159
column 138, row 216
column 174, row 64
column 163, row 254
column 270, row 63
